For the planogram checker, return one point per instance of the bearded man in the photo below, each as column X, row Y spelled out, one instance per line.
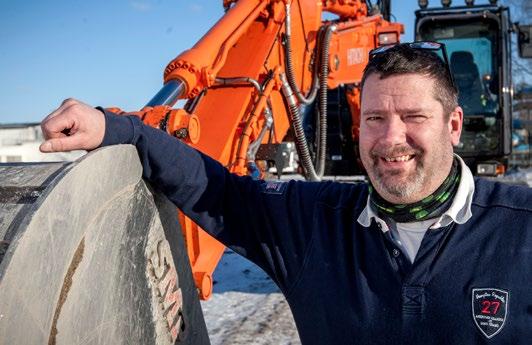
column 423, row 254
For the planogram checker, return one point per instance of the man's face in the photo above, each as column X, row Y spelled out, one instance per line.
column 405, row 140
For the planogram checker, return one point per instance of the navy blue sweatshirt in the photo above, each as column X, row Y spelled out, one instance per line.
column 347, row 284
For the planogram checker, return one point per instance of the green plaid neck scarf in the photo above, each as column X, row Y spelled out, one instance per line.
column 432, row 206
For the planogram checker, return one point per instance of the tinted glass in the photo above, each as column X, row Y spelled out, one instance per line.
column 472, row 50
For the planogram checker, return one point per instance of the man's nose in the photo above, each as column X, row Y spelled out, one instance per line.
column 394, row 132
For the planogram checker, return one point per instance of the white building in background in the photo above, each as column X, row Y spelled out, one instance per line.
column 20, row 143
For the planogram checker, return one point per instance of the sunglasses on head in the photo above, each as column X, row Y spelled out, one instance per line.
column 422, row 45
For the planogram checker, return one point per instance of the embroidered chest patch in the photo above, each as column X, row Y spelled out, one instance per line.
column 490, row 308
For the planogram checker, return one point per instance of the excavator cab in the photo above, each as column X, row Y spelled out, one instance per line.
column 477, row 40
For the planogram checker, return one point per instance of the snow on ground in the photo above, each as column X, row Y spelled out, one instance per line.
column 519, row 176
column 247, row 307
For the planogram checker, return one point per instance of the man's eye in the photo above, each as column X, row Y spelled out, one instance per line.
column 416, row 118
column 373, row 118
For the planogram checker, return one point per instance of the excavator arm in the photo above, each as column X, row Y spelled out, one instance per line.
column 245, row 81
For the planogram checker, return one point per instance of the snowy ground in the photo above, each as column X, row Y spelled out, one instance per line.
column 522, row 176
column 247, row 307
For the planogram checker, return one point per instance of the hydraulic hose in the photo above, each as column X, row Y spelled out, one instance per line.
column 239, row 80
column 290, row 65
column 297, row 124
column 322, row 128
column 291, row 86
column 254, row 146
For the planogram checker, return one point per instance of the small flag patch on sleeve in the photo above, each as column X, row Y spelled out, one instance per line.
column 274, row 187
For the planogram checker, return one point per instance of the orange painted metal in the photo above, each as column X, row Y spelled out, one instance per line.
column 350, row 45
column 183, row 125
column 353, row 100
column 251, row 126
column 247, row 42
column 348, row 56
column 346, row 9
column 198, row 66
column 176, row 122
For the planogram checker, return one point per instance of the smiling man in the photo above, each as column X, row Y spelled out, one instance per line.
column 409, row 124
column 406, row 142
column 424, row 254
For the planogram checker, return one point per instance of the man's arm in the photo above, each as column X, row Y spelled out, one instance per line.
column 271, row 227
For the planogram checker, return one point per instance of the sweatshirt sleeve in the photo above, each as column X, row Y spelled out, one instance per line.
column 267, row 222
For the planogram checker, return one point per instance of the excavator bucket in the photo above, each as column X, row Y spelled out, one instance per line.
column 90, row 254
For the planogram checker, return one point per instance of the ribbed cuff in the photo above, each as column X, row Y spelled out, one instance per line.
column 119, row 129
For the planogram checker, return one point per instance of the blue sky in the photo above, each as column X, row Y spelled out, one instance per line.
column 109, row 53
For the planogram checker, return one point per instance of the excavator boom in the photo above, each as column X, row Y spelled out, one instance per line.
column 246, row 81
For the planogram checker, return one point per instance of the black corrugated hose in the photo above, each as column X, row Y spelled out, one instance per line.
column 322, row 128
column 290, row 66
column 297, row 125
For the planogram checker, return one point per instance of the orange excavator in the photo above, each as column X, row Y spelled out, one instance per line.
column 247, row 82
column 89, row 257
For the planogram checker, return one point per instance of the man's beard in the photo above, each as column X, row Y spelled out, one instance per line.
column 403, row 187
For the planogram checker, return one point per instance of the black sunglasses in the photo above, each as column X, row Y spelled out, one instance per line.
column 421, row 45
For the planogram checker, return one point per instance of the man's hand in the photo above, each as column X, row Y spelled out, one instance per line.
column 73, row 126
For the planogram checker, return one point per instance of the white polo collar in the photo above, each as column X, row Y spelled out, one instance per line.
column 459, row 211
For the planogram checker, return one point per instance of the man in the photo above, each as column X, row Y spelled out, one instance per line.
column 424, row 255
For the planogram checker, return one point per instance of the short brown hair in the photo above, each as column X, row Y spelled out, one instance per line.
column 403, row 59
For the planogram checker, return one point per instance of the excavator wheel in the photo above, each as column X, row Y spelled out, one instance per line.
column 90, row 254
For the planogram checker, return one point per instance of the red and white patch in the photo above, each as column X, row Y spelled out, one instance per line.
column 490, row 308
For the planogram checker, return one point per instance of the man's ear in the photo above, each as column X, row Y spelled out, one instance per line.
column 455, row 125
